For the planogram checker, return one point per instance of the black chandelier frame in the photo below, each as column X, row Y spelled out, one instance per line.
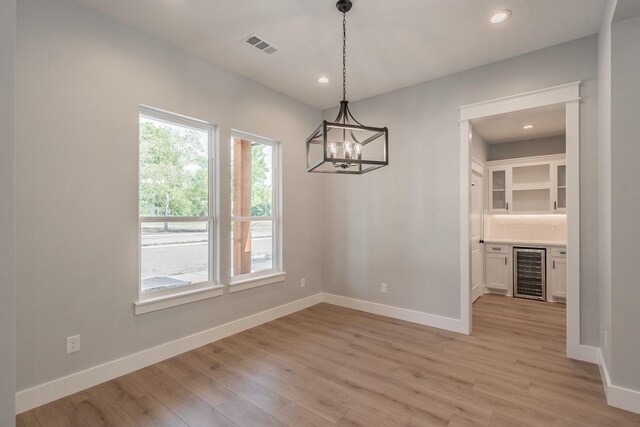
column 348, row 125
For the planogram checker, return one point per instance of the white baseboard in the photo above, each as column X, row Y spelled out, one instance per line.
column 476, row 292
column 422, row 318
column 585, row 353
column 617, row 396
column 61, row 387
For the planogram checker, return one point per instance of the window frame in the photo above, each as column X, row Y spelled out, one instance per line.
column 156, row 300
column 276, row 273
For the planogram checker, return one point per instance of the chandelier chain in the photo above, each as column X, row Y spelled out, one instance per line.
column 344, row 56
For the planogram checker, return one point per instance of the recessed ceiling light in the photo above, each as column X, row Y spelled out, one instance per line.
column 501, row 16
column 323, row 80
column 527, row 127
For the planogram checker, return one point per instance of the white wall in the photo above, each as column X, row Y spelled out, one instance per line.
column 7, row 213
column 530, row 148
column 625, row 201
column 479, row 147
column 81, row 78
column 400, row 224
column 604, row 176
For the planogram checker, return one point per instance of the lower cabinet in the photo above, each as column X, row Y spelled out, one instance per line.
column 497, row 268
column 557, row 283
column 499, row 271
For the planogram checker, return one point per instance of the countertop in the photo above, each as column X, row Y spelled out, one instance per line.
column 525, row 242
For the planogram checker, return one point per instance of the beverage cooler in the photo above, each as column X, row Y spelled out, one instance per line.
column 529, row 278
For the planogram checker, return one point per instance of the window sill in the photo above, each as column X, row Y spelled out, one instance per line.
column 253, row 282
column 158, row 303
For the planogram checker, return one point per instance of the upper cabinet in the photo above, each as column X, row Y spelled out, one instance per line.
column 500, row 193
column 560, row 196
column 534, row 185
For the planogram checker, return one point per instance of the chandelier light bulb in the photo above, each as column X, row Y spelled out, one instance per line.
column 348, row 149
column 332, row 150
column 357, row 147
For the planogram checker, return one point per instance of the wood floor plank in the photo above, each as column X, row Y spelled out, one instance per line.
column 247, row 388
column 27, row 419
column 329, row 365
column 200, row 385
column 191, row 409
column 60, row 413
column 295, row 415
column 143, row 407
column 245, row 414
column 359, row 418
column 100, row 410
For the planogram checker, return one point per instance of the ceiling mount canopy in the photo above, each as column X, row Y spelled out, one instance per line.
column 345, row 145
column 344, row 6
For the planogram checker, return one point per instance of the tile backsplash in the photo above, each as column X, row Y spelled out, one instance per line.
column 526, row 227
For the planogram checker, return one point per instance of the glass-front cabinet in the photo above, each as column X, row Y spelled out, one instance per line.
column 500, row 192
column 528, row 185
column 560, row 202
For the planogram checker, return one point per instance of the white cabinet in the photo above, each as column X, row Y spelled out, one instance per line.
column 557, row 283
column 497, row 275
column 535, row 185
column 560, row 188
column 500, row 192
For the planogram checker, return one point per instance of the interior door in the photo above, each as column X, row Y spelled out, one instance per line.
column 477, row 247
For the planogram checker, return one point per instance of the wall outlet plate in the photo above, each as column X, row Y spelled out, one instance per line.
column 73, row 344
column 303, row 282
column 383, row 288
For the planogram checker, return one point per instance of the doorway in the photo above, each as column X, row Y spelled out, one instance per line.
column 568, row 96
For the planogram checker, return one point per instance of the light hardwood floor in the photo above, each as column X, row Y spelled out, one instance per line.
column 327, row 366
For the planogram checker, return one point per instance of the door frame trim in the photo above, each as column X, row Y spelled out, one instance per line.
column 478, row 168
column 569, row 95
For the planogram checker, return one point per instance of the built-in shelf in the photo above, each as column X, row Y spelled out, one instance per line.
column 531, row 186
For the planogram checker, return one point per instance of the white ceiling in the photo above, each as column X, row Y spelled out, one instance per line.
column 626, row 9
column 391, row 43
column 508, row 127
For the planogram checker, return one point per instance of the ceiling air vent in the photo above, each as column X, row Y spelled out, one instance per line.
column 260, row 44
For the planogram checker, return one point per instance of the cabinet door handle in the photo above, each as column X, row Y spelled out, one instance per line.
column 563, row 252
column 505, row 260
column 507, row 205
column 496, row 249
column 554, row 264
column 555, row 206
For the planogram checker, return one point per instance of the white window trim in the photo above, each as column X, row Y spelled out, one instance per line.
column 277, row 273
column 158, row 300
column 254, row 282
column 148, row 305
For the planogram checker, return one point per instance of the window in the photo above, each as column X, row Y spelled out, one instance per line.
column 176, row 206
column 255, row 224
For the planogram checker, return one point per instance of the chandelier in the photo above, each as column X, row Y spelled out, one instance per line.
column 345, row 145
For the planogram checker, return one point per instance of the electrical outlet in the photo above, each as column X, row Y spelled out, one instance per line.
column 73, row 344
column 606, row 340
column 303, row 282
column 383, row 288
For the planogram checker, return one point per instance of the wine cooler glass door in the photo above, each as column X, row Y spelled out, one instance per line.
column 529, row 277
